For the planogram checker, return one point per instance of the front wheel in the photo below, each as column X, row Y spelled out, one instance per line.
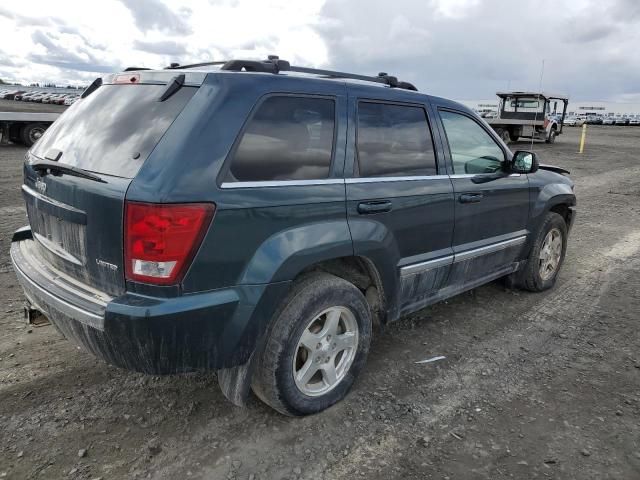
column 552, row 137
column 547, row 254
column 315, row 348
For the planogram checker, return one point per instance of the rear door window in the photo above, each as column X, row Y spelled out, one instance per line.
column 394, row 140
column 114, row 129
column 288, row 138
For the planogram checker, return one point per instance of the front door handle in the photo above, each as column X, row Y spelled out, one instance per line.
column 470, row 197
column 374, row 207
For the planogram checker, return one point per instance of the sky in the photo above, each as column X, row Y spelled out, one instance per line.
column 460, row 49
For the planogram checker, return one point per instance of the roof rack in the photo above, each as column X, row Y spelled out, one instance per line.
column 175, row 66
column 274, row 65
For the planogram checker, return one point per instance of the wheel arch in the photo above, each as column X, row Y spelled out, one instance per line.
column 361, row 272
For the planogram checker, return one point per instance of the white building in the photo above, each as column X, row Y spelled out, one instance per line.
column 574, row 107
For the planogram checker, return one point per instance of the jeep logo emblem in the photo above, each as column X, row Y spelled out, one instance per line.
column 41, row 186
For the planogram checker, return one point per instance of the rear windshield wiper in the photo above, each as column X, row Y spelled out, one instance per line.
column 42, row 166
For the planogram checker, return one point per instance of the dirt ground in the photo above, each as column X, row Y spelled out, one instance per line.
column 533, row 385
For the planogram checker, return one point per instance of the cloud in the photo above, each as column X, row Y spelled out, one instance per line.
column 165, row 47
column 40, row 38
column 471, row 49
column 464, row 49
column 155, row 15
column 7, row 61
column 454, row 8
column 58, row 56
column 580, row 34
column 23, row 20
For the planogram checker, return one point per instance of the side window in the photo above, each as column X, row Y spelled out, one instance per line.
column 288, row 138
column 394, row 140
column 473, row 150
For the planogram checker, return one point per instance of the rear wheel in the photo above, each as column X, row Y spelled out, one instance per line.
column 315, row 348
column 504, row 134
column 32, row 132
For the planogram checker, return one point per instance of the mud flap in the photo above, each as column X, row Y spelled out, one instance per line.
column 235, row 382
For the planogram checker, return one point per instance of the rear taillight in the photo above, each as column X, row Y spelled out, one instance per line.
column 161, row 239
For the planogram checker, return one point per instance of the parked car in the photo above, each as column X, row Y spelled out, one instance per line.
column 49, row 97
column 58, row 99
column 70, row 100
column 37, row 98
column 259, row 223
column 609, row 121
column 622, row 120
column 12, row 93
column 27, row 97
column 574, row 121
column 634, row 120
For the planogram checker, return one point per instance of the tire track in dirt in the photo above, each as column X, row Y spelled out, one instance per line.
column 570, row 304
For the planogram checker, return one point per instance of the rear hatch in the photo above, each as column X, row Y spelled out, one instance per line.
column 77, row 216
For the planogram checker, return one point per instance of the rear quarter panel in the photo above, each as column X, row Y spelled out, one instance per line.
column 261, row 233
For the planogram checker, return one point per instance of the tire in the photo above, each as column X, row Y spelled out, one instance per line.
column 283, row 354
column 504, row 135
column 552, row 137
column 532, row 277
column 513, row 136
column 31, row 133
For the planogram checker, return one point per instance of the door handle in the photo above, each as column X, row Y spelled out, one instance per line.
column 470, row 197
column 374, row 207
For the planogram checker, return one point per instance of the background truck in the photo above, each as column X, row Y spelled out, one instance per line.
column 534, row 115
column 24, row 127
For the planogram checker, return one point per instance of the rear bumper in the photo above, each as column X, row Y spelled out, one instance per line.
column 204, row 331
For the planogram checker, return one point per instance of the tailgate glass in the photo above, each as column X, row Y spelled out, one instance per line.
column 114, row 129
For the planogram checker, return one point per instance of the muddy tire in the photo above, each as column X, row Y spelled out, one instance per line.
column 31, row 133
column 315, row 347
column 547, row 255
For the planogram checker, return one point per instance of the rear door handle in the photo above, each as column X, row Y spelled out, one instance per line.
column 470, row 197
column 374, row 207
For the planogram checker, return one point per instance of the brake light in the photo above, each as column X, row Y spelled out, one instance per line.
column 127, row 78
column 161, row 239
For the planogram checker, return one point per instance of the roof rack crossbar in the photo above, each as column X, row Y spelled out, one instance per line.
column 174, row 66
column 335, row 74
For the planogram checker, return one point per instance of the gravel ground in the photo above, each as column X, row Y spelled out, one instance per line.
column 533, row 385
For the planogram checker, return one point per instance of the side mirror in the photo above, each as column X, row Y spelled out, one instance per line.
column 524, row 162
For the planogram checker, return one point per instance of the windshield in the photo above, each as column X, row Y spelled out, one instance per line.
column 114, row 129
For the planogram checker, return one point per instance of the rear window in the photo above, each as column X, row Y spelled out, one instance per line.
column 394, row 140
column 288, row 138
column 114, row 129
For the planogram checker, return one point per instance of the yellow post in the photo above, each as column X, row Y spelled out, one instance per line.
column 584, row 134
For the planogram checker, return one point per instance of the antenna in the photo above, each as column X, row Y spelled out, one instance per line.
column 535, row 118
